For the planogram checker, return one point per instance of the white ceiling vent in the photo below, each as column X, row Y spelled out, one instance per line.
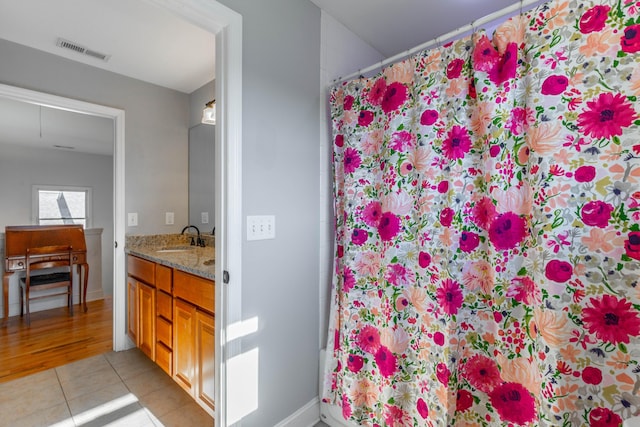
column 66, row 44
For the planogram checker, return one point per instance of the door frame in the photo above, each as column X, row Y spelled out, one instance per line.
column 226, row 25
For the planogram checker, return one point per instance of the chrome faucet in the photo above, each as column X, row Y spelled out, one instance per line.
column 200, row 241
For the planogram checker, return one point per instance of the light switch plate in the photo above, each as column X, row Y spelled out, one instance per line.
column 204, row 217
column 168, row 218
column 132, row 219
column 261, row 227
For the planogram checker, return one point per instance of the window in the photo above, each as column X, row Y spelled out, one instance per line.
column 61, row 205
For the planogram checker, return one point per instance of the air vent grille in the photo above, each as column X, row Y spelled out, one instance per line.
column 78, row 48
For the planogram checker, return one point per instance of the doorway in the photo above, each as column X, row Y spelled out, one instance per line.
column 227, row 27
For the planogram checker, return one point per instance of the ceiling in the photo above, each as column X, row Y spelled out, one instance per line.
column 147, row 43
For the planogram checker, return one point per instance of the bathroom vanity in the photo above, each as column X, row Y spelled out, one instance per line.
column 171, row 305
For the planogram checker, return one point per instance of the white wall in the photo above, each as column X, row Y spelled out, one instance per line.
column 343, row 53
column 156, row 128
column 280, row 75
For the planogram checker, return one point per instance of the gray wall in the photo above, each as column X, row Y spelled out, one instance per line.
column 156, row 128
column 280, row 137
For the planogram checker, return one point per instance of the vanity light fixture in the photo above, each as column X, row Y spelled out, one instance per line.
column 209, row 113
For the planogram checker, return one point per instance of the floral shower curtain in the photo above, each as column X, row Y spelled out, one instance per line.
column 488, row 228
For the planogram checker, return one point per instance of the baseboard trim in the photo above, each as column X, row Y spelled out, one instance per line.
column 307, row 416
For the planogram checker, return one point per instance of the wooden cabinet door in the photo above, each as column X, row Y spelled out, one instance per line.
column 205, row 362
column 147, row 319
column 184, row 339
column 132, row 310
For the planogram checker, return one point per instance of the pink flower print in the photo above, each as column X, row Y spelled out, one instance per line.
column 372, row 213
column 524, row 290
column 443, row 374
column 513, row 403
column 457, row 143
column 596, row 213
column 355, row 363
column 389, row 226
column 424, row 259
column 395, row 95
column 438, row 338
column 449, row 296
column 397, row 274
column 485, row 56
column 346, row 407
column 386, row 361
column 349, row 280
column 443, row 187
column 592, row 375
column 359, row 236
column 507, row 231
column 428, row 117
column 369, row 339
column 611, row 319
column 455, row 68
column 402, row 141
column 446, row 216
column 365, row 118
column 469, row 241
column 377, row 92
column 554, row 85
column 605, row 116
column 630, row 42
column 482, row 373
column 352, row 160
column 519, row 120
column 422, row 408
column 632, row 245
column 339, row 140
column 604, row 417
column 594, row 19
column 395, row 416
column 483, row 213
column 348, row 102
column 464, row 400
column 558, row 271
column 585, row 174
column 505, row 69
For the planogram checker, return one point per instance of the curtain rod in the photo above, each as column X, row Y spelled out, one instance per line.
column 450, row 35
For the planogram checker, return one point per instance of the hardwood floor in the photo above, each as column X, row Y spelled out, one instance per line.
column 54, row 339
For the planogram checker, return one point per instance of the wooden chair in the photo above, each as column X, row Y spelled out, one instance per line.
column 38, row 260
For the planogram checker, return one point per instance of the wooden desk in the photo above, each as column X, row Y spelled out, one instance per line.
column 19, row 238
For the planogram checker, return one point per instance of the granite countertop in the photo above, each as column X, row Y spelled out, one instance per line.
column 181, row 255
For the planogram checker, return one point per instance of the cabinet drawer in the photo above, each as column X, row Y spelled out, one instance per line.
column 141, row 269
column 164, row 278
column 165, row 306
column 194, row 289
column 164, row 358
column 163, row 332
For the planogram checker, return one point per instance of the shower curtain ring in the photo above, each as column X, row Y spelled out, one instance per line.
column 521, row 7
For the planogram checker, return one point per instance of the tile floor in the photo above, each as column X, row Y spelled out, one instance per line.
column 123, row 389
